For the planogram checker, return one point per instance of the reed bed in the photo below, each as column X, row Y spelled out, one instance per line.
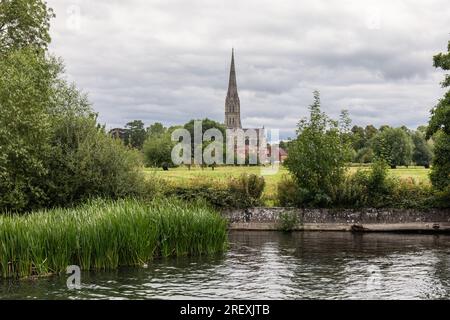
column 106, row 234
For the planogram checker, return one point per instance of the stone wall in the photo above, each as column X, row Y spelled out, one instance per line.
column 369, row 219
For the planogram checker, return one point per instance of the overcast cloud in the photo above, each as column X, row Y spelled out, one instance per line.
column 168, row 60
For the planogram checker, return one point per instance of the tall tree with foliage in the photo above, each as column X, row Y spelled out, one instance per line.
column 24, row 24
column 439, row 129
column 158, row 145
column 394, row 145
column 136, row 134
column 318, row 156
column 422, row 154
column 52, row 151
column 156, row 129
column 25, row 126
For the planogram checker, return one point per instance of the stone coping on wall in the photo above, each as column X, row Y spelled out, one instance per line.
column 367, row 219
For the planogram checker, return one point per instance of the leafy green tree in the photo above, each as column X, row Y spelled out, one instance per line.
column 136, row 134
column 23, row 24
column 358, row 137
column 370, row 131
column 422, row 154
column 158, row 149
column 364, row 155
column 317, row 157
column 156, row 129
column 439, row 129
column 52, row 151
column 206, row 124
column 25, row 126
column 394, row 145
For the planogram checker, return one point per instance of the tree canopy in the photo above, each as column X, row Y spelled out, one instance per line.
column 439, row 128
column 24, row 24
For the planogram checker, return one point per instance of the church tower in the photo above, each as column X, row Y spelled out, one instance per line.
column 232, row 104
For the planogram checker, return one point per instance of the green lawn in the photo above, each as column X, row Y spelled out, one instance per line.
column 183, row 175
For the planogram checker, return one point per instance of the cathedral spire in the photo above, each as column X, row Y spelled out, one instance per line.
column 232, row 85
column 232, row 104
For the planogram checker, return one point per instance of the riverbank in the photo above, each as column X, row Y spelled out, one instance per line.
column 356, row 220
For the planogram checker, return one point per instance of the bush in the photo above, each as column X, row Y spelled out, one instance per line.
column 368, row 188
column 287, row 221
column 242, row 192
column 86, row 162
column 250, row 186
column 289, row 194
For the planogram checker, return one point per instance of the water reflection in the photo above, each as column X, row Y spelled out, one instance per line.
column 272, row 265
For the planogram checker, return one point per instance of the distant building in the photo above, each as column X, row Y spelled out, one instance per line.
column 233, row 114
column 119, row 133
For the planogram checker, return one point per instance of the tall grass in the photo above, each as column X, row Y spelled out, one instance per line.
column 106, row 234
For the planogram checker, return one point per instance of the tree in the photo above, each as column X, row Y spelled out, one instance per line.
column 422, row 153
column 370, row 131
column 24, row 24
column 394, row 145
column 439, row 129
column 157, row 150
column 25, row 126
column 136, row 134
column 317, row 157
column 52, row 151
column 206, row 124
column 364, row 155
column 358, row 137
column 156, row 129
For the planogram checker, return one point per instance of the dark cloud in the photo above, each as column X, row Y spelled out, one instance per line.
column 168, row 60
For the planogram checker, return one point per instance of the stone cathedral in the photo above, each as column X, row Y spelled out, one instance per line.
column 233, row 115
column 232, row 103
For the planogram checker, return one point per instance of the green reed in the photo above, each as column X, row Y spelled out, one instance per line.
column 106, row 234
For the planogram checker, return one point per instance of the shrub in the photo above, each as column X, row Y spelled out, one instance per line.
column 86, row 162
column 250, row 186
column 289, row 194
column 287, row 221
column 242, row 192
column 368, row 188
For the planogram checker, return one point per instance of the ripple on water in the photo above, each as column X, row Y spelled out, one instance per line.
column 270, row 265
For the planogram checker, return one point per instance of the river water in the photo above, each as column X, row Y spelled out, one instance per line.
column 273, row 265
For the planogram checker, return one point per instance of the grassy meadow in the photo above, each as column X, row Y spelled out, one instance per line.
column 182, row 175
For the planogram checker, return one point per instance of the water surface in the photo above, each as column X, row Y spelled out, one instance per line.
column 273, row 265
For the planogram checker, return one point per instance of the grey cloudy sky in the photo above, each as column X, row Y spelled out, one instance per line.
column 168, row 60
